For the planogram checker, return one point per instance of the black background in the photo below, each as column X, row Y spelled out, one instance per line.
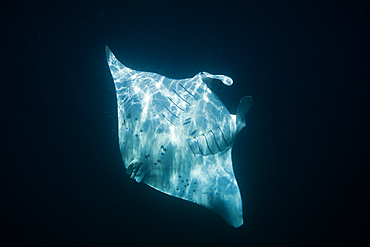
column 302, row 163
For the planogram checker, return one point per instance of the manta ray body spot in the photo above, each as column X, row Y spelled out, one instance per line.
column 177, row 136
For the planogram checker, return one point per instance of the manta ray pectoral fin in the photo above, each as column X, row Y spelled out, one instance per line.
column 244, row 106
column 137, row 169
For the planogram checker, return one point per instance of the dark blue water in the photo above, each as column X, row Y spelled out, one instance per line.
column 302, row 163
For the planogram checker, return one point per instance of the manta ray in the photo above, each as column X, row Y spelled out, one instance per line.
column 176, row 136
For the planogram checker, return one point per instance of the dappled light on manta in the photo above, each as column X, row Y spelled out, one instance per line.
column 176, row 136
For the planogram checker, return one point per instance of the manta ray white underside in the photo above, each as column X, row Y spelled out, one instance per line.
column 176, row 136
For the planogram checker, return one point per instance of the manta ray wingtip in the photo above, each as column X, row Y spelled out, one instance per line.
column 244, row 106
column 107, row 51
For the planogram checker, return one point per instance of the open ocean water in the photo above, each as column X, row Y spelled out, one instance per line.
column 302, row 162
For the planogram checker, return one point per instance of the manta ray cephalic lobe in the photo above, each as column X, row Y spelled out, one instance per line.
column 176, row 136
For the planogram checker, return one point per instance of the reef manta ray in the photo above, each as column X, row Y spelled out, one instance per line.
column 176, row 136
